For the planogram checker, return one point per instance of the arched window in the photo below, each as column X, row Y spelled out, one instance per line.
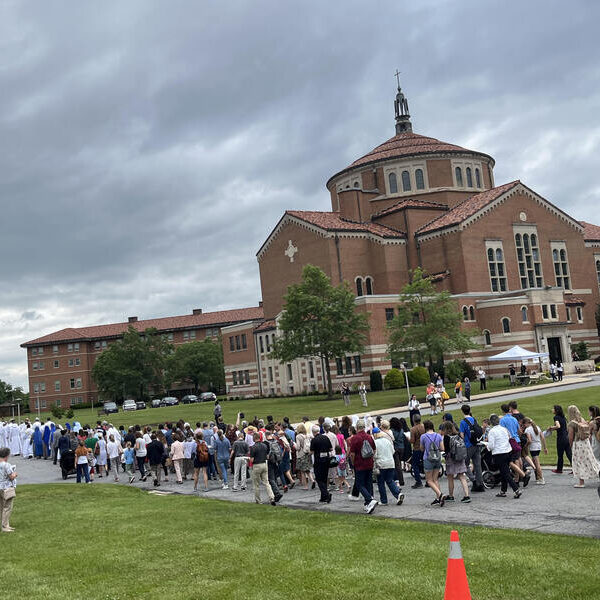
column 406, row 181
column 459, row 181
column 419, row 181
column 471, row 313
column 369, row 286
column 477, row 178
column 598, row 270
column 469, row 177
column 359, row 288
column 505, row 325
column 465, row 313
column 356, row 184
column 393, row 183
column 524, row 316
column 487, row 337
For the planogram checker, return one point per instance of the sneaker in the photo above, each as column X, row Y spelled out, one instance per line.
column 353, row 498
column 273, row 503
column 540, row 482
column 329, row 499
column 233, row 489
column 144, row 478
column 243, row 488
column 501, row 495
column 478, row 488
column 225, row 487
column 526, row 480
column 278, row 497
column 400, row 499
column 466, row 499
column 442, row 499
column 369, row 508
column 449, row 498
column 579, row 485
column 131, row 479
column 416, row 486
column 436, row 501
column 557, row 471
column 518, row 494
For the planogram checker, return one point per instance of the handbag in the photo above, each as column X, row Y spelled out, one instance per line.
column 333, row 462
column 9, row 493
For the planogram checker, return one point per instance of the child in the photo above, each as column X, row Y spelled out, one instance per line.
column 91, row 463
column 129, row 456
column 537, row 443
column 431, row 397
column 342, row 469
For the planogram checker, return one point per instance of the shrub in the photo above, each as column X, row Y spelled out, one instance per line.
column 70, row 414
column 459, row 369
column 394, row 379
column 418, row 376
column 375, row 381
column 581, row 349
column 57, row 412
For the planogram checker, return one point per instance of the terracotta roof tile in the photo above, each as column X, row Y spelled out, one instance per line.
column 590, row 232
column 574, row 301
column 331, row 221
column 266, row 326
column 409, row 203
column 222, row 317
column 467, row 208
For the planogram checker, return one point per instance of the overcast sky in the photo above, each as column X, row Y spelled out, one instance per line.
column 148, row 148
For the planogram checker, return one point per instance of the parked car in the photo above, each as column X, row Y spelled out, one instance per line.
column 129, row 405
column 169, row 401
column 140, row 405
column 208, row 397
column 155, row 403
column 189, row 399
column 110, row 407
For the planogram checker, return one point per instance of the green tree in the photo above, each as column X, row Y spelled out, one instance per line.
column 132, row 365
column 319, row 319
column 428, row 323
column 199, row 363
column 394, row 379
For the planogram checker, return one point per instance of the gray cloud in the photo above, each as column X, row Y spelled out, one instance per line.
column 148, row 149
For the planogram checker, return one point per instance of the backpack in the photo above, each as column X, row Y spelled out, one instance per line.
column 475, row 431
column 458, row 450
column 434, row 456
column 583, row 430
column 202, row 452
column 366, row 450
column 275, row 453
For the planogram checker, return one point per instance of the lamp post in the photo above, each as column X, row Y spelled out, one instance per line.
column 406, row 379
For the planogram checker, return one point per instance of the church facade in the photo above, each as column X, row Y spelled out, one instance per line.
column 521, row 270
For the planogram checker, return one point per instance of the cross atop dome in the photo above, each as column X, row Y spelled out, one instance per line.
column 403, row 124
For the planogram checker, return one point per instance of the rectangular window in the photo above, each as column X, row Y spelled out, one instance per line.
column 579, row 314
column 104, row 345
column 568, row 314
column 389, row 314
column 55, row 349
column 561, row 265
column 41, row 365
column 247, row 377
column 553, row 314
column 72, row 383
column 56, row 364
column 42, row 387
column 186, row 335
column 69, row 347
column 289, row 371
column 76, row 400
column 348, row 365
column 34, row 352
column 528, row 258
column 545, row 312
column 357, row 364
column 96, row 345
column 238, row 346
column 36, row 388
column 311, row 369
column 193, row 334
column 76, row 347
column 268, row 340
column 270, row 373
column 231, row 345
column 170, row 337
column 71, row 363
column 260, row 341
column 41, row 350
column 496, row 267
column 339, row 366
column 57, row 386
column 78, row 382
column 34, row 365
column 244, row 341
column 235, row 378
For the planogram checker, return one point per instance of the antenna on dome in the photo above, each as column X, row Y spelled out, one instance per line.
column 403, row 124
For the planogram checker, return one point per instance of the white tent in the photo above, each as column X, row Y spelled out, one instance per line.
column 516, row 353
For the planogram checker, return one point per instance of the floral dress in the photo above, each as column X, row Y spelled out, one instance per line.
column 585, row 465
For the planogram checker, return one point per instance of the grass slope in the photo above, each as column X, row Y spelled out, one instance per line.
column 111, row 542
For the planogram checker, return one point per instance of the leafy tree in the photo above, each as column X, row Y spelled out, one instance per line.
column 394, row 379
column 132, row 365
column 6, row 392
column 319, row 319
column 200, row 363
column 428, row 323
column 581, row 349
column 375, row 381
column 418, row 376
column 459, row 369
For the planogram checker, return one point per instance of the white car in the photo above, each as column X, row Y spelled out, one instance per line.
column 129, row 405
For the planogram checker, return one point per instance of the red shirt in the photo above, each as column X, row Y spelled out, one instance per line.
column 356, row 443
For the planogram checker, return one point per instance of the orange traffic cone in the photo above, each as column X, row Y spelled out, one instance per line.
column 457, row 586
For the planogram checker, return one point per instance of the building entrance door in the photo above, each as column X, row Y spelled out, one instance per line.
column 554, row 349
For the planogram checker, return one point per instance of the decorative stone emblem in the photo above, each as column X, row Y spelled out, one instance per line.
column 291, row 251
column 523, row 216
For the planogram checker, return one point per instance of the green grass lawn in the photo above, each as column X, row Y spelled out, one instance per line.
column 293, row 407
column 112, row 542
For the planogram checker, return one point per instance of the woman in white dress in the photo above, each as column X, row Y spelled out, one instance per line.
column 585, row 466
column 27, row 441
column 101, row 455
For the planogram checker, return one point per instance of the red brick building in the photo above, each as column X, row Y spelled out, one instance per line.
column 522, row 271
column 60, row 363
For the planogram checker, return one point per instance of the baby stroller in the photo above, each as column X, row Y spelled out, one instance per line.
column 490, row 474
column 67, row 463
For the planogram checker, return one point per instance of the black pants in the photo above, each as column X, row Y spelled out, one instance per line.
column 412, row 415
column 502, row 461
column 273, row 472
column 482, row 384
column 398, row 467
column 562, row 447
column 321, row 475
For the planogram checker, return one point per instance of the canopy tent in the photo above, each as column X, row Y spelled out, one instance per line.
column 517, row 353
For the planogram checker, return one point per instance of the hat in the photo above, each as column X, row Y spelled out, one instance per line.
column 251, row 429
column 376, row 430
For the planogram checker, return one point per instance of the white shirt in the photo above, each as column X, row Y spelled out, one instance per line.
column 384, row 451
column 498, row 443
column 112, row 449
column 481, row 374
column 413, row 404
column 536, row 441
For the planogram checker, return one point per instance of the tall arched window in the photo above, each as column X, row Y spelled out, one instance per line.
column 419, row 180
column 487, row 337
column 477, row 178
column 469, row 177
column 458, row 172
column 465, row 313
column 471, row 313
column 505, row 325
column 369, row 286
column 524, row 316
column 359, row 288
column 406, row 181
column 598, row 270
column 393, row 183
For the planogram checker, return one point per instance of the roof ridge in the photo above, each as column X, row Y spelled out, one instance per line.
column 406, row 201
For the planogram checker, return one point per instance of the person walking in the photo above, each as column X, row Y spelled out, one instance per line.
column 414, row 408
column 303, row 456
column 140, row 454
column 260, row 474
column 512, row 375
column 536, row 442
column 8, row 476
column 472, row 433
column 562, row 438
column 481, row 375
column 498, row 443
column 217, row 411
column 458, row 391
column 560, row 370
column 322, row 451
column 189, row 447
column 113, row 450
column 362, row 451
column 222, row 454
column 585, row 465
column 201, row 461
column 101, row 455
column 416, row 431
column 345, row 389
column 240, row 452
column 467, row 390
column 129, row 458
column 362, row 392
column 81, row 462
column 456, row 455
column 432, row 446
column 155, row 451
column 177, row 455
column 384, row 462
column 400, row 443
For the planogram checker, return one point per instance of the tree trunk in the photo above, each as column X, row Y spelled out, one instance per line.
column 328, row 377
